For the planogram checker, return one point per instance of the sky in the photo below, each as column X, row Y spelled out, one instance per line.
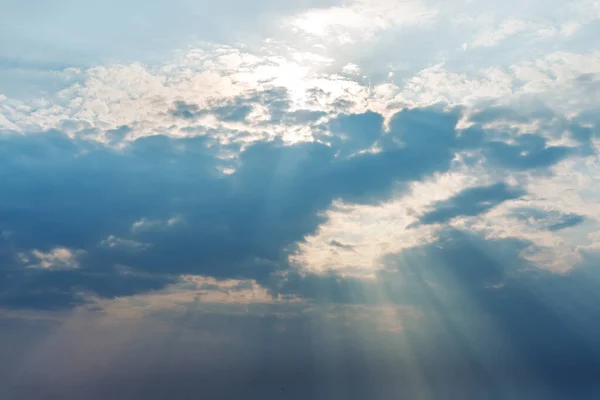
column 311, row 199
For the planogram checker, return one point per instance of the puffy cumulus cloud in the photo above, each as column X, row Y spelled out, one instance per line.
column 434, row 84
column 563, row 81
column 242, row 95
column 567, row 72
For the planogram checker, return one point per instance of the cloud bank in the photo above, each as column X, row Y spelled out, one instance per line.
column 318, row 200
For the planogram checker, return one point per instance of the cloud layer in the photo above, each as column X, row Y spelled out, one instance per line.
column 322, row 200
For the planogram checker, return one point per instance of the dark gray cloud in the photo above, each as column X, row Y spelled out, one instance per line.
column 530, row 151
column 47, row 290
column 73, row 193
column 470, row 202
column 62, row 192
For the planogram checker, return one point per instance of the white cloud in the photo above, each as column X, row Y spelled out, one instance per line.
column 139, row 96
column 567, row 82
column 351, row 68
column 356, row 237
column 435, row 84
column 525, row 30
column 570, row 28
column 55, row 259
column 203, row 294
column 571, row 189
column 506, row 29
column 359, row 20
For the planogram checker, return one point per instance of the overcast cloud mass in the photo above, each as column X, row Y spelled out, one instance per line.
column 313, row 199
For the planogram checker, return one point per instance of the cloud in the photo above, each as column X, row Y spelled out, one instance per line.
column 188, row 111
column 114, row 242
column 481, row 297
column 236, row 225
column 356, row 131
column 42, row 289
column 360, row 20
column 324, row 199
column 180, row 22
column 471, row 201
column 529, row 152
column 146, row 224
column 229, row 113
column 568, row 222
column 548, row 219
column 162, row 205
column 341, row 245
column 57, row 258
column 505, row 29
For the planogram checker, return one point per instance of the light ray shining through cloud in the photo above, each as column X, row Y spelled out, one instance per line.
column 314, row 199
